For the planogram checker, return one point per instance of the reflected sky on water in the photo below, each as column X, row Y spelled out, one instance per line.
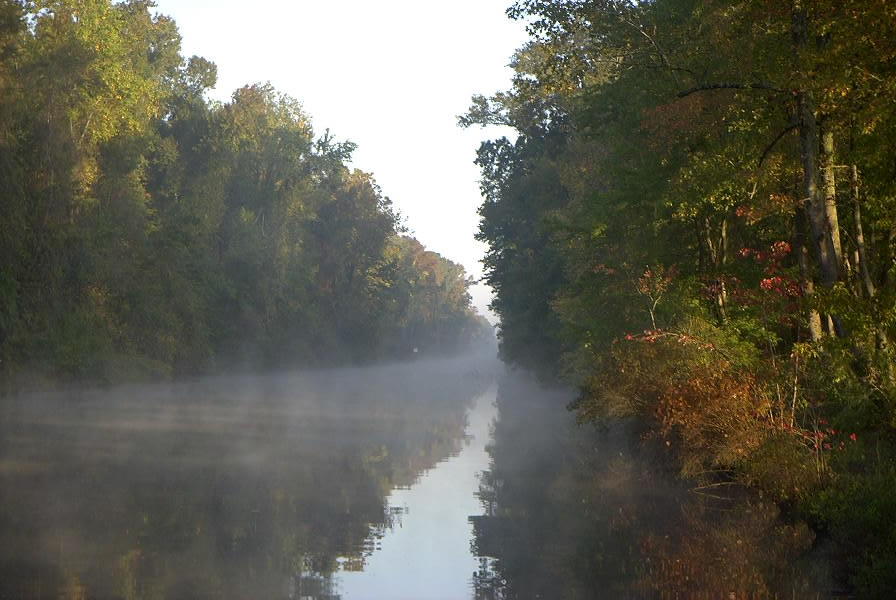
column 427, row 554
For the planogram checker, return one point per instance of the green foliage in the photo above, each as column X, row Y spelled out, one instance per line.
column 704, row 182
column 520, row 185
column 148, row 232
column 860, row 512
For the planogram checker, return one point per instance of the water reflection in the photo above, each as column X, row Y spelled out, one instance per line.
column 234, row 488
column 360, row 484
column 428, row 555
column 574, row 513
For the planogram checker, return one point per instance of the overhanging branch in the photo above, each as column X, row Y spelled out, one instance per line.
column 774, row 143
column 730, row 86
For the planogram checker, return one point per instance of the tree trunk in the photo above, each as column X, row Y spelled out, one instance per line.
column 806, row 285
column 821, row 204
column 717, row 250
column 832, row 223
column 861, row 255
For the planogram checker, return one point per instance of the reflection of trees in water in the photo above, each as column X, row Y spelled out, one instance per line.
column 744, row 549
column 487, row 581
column 206, row 495
column 314, row 586
column 575, row 513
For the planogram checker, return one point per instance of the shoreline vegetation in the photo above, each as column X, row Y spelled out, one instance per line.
column 148, row 233
column 607, row 511
column 694, row 226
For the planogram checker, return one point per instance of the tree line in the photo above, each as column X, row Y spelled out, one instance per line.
column 147, row 231
column 695, row 224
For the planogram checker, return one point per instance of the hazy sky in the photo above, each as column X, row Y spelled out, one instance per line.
column 389, row 75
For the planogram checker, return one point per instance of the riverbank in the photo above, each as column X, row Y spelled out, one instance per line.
column 606, row 512
column 693, row 225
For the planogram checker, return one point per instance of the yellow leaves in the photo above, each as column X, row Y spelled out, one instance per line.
column 109, row 91
column 87, row 172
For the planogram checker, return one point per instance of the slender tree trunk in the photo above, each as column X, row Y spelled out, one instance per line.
column 723, row 260
column 723, row 242
column 806, row 285
column 817, row 149
column 717, row 250
column 861, row 254
column 820, row 204
column 832, row 222
column 831, row 232
column 891, row 257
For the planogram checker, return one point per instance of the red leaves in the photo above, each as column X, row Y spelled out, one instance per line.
column 654, row 283
column 820, row 439
column 783, row 286
column 780, row 250
column 776, row 253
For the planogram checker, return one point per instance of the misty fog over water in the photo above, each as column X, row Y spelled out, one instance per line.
column 429, row 479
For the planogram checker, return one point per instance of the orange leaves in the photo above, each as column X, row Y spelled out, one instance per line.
column 692, row 394
column 716, row 414
column 712, row 412
column 652, row 336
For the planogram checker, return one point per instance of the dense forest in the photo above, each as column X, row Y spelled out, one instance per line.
column 694, row 223
column 148, row 232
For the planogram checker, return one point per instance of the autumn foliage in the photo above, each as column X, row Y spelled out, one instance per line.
column 710, row 197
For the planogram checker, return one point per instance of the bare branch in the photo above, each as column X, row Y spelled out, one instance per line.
column 774, row 143
column 765, row 154
column 731, row 86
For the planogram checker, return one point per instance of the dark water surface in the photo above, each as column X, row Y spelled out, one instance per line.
column 571, row 512
column 432, row 479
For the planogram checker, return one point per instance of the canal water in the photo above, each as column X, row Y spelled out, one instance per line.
column 447, row 479
column 428, row 555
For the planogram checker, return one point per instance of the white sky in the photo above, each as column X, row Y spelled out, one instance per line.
column 389, row 75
